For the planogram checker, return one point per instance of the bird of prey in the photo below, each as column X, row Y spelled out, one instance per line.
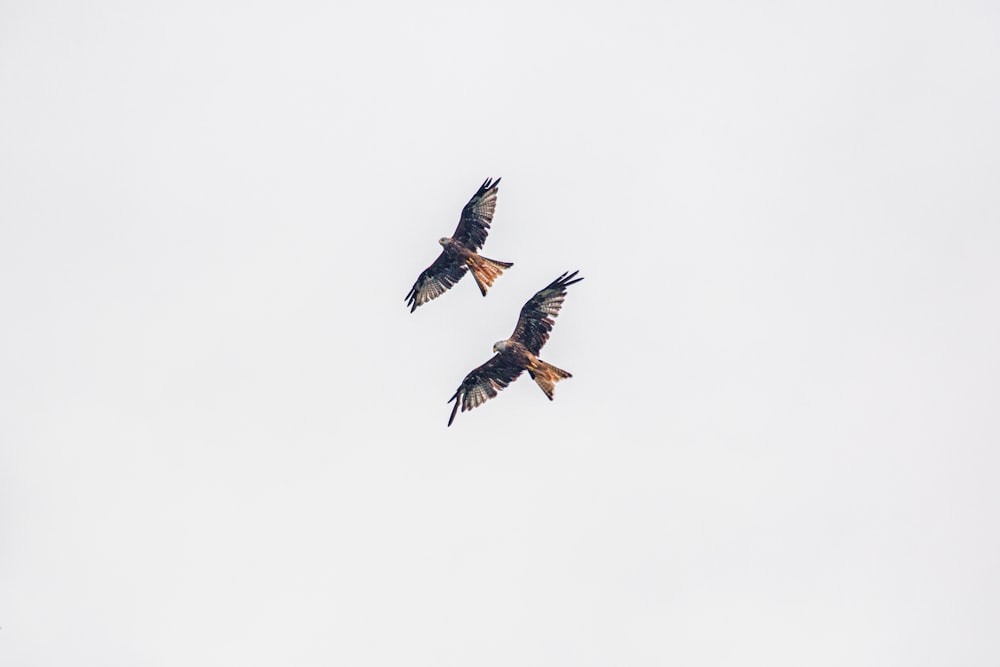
column 519, row 352
column 460, row 251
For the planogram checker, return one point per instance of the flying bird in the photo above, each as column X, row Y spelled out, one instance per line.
column 519, row 352
column 460, row 251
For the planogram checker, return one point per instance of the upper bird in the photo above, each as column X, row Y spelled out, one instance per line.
column 459, row 251
column 519, row 353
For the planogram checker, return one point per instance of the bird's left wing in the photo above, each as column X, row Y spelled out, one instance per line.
column 483, row 383
column 477, row 216
column 536, row 319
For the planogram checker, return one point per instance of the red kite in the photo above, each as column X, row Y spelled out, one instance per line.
column 460, row 251
column 519, row 352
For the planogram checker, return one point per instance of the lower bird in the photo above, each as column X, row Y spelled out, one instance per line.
column 519, row 353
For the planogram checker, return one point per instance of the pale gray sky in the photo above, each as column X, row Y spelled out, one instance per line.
column 222, row 434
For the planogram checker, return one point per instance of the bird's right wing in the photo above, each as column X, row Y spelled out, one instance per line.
column 435, row 280
column 483, row 383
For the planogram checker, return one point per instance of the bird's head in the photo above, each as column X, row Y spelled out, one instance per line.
column 500, row 345
column 444, row 240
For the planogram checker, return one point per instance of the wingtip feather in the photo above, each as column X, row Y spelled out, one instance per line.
column 568, row 278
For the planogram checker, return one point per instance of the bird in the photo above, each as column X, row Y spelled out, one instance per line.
column 459, row 251
column 519, row 352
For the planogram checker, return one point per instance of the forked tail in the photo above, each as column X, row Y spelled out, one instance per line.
column 546, row 375
column 486, row 270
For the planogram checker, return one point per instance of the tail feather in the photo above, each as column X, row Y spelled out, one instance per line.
column 546, row 375
column 486, row 270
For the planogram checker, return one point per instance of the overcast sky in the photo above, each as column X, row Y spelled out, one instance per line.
column 222, row 434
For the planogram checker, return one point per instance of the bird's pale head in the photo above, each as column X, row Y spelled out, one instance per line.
column 444, row 240
column 501, row 345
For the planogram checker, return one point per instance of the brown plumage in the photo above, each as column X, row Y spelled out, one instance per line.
column 519, row 353
column 460, row 252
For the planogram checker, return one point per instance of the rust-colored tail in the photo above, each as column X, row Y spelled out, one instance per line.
column 486, row 270
column 546, row 375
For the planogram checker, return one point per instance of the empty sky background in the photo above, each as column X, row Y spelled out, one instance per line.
column 222, row 434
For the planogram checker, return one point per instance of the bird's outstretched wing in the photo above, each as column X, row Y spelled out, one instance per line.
column 435, row 280
column 483, row 383
column 477, row 215
column 536, row 319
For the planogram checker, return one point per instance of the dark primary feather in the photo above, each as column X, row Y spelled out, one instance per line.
column 436, row 279
column 483, row 383
column 477, row 215
column 536, row 319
